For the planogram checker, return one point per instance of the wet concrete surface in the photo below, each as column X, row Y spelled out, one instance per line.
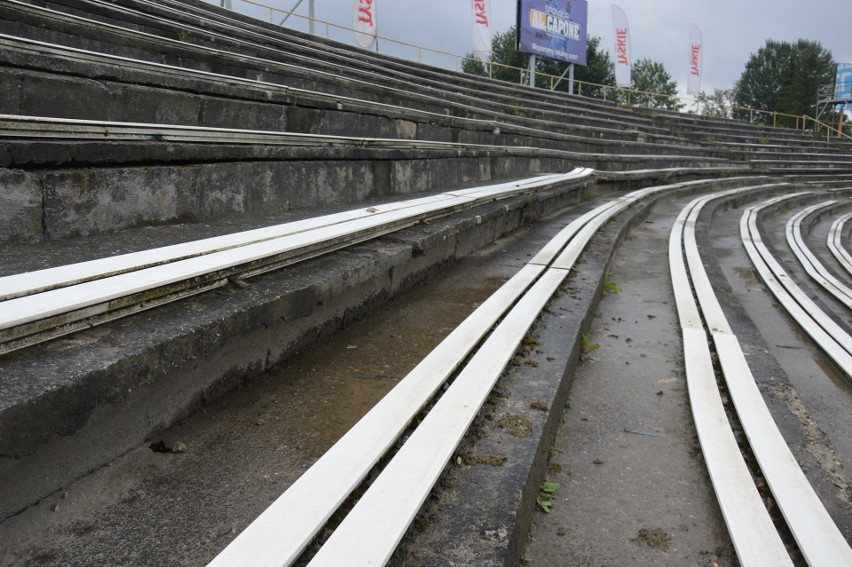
column 807, row 396
column 823, row 388
column 816, row 237
column 632, row 486
column 156, row 508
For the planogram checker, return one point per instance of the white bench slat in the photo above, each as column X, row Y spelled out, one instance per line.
column 833, row 340
column 751, row 529
column 99, row 292
column 816, row 533
column 371, row 531
column 811, row 264
column 835, row 242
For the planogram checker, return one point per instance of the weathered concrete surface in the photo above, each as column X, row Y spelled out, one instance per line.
column 91, row 200
column 21, row 206
column 282, row 57
column 485, row 503
column 633, row 489
column 482, row 508
column 137, row 375
column 482, row 512
column 245, row 448
column 96, row 187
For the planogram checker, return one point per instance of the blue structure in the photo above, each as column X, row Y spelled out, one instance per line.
column 843, row 82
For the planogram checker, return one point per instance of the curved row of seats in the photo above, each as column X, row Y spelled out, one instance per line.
column 187, row 63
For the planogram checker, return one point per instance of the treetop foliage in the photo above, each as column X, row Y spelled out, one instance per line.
column 781, row 76
column 597, row 75
column 651, row 77
column 784, row 77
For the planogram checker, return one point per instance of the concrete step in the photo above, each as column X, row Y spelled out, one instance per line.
column 136, row 375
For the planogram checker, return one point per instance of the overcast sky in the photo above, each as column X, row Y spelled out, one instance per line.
column 659, row 29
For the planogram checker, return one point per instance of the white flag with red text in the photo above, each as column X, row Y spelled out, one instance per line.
column 365, row 24
column 481, row 27
column 621, row 33
column 696, row 56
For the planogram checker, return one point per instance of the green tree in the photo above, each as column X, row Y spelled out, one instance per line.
column 598, row 70
column 783, row 77
column 810, row 67
column 718, row 104
column 657, row 87
column 508, row 60
column 503, row 51
column 761, row 81
column 473, row 65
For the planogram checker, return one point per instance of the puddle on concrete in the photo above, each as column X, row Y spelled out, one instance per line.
column 837, row 378
column 245, row 449
column 748, row 275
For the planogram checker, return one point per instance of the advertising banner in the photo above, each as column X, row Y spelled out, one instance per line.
column 621, row 33
column 843, row 82
column 553, row 28
column 364, row 23
column 696, row 55
column 481, row 27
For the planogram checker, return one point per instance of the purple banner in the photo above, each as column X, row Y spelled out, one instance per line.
column 553, row 28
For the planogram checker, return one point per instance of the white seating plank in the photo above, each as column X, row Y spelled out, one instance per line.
column 283, row 530
column 97, row 293
column 371, row 531
column 835, row 242
column 751, row 529
column 811, row 264
column 818, row 537
column 280, row 534
column 42, row 280
column 832, row 339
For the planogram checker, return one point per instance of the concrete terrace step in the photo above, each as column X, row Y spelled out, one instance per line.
column 94, row 78
column 299, row 47
column 686, row 124
column 138, row 374
column 258, row 60
column 152, row 174
column 102, row 84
